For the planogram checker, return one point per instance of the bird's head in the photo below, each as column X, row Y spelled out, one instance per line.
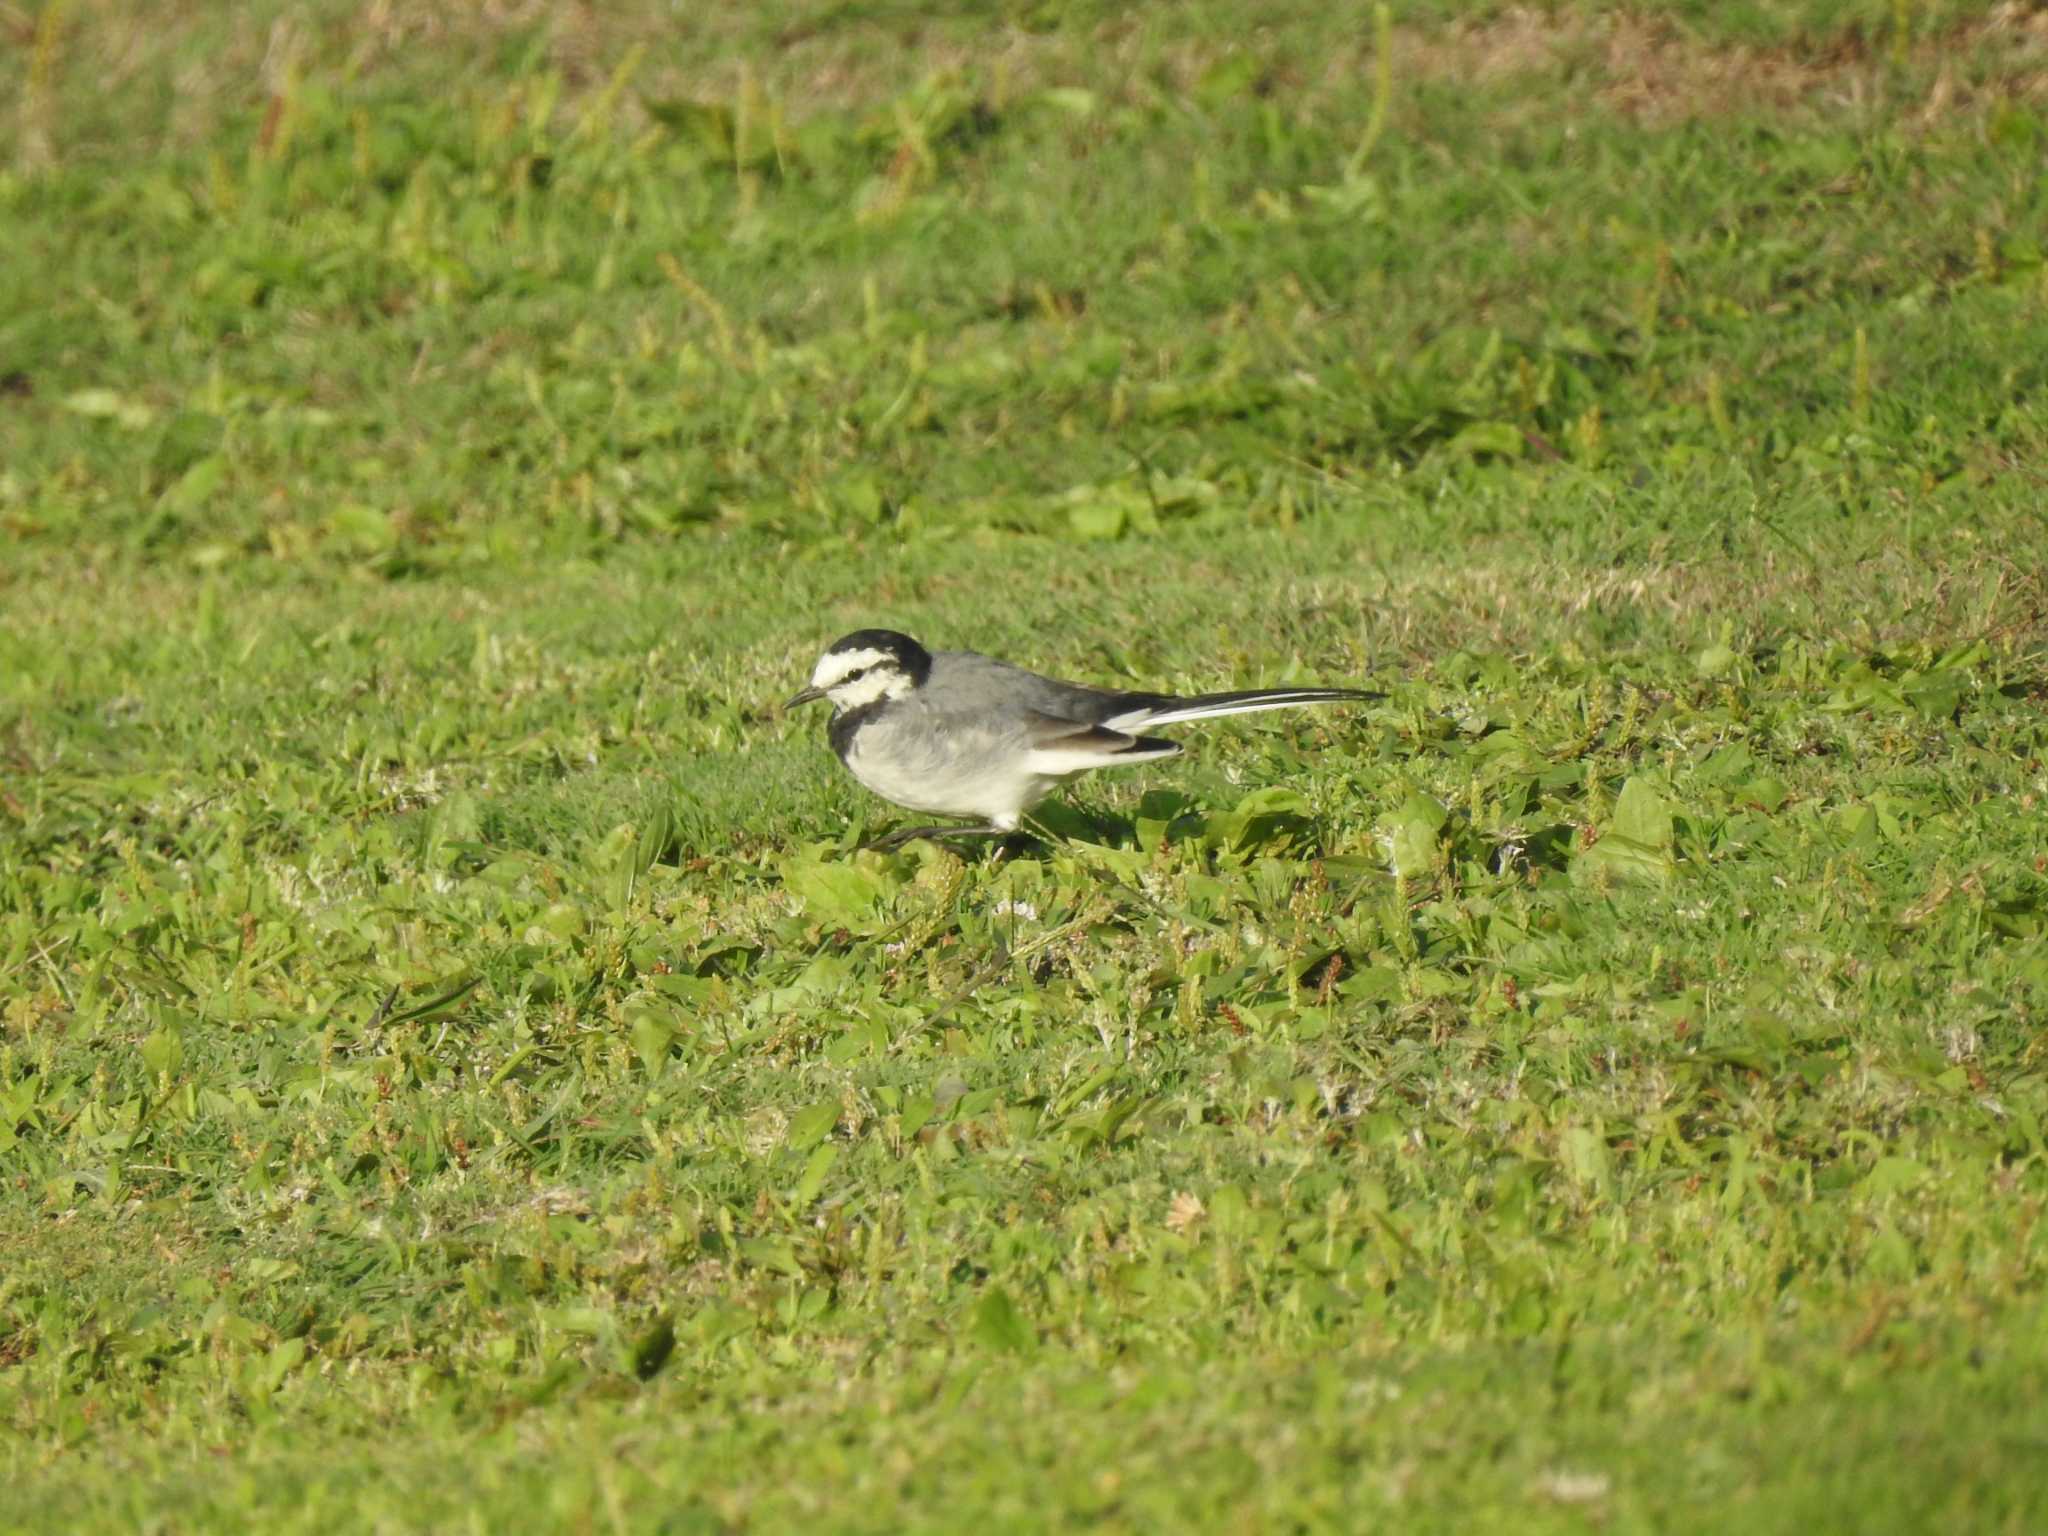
column 866, row 666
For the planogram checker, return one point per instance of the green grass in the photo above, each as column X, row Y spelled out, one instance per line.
column 455, row 1072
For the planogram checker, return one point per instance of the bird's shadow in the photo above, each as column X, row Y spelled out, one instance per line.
column 1064, row 822
column 1054, row 823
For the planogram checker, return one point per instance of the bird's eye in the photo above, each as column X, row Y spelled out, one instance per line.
column 855, row 675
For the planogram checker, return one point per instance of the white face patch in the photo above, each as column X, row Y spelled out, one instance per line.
column 853, row 678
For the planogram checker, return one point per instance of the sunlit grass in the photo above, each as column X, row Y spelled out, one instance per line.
column 454, row 1067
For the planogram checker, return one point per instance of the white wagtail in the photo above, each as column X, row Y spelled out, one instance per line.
column 959, row 734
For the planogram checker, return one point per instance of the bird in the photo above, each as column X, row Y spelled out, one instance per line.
column 956, row 733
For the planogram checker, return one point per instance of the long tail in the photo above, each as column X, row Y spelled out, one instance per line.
column 1209, row 706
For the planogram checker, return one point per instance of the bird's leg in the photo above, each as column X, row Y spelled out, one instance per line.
column 910, row 834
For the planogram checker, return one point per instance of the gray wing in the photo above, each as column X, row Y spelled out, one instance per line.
column 967, row 685
column 968, row 681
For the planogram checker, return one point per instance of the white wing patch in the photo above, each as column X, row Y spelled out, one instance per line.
column 1063, row 761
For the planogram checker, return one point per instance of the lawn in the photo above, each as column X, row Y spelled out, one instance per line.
column 457, row 1069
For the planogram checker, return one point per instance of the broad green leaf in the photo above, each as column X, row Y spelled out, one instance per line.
column 999, row 1326
column 1716, row 660
column 1892, row 1174
column 1625, row 857
column 1097, row 520
column 108, row 404
column 1642, row 814
column 1070, row 99
column 163, row 1052
column 1273, row 800
column 363, row 530
column 1502, row 439
column 816, row 1169
column 841, row 892
column 810, row 1126
column 1410, row 834
column 651, row 1035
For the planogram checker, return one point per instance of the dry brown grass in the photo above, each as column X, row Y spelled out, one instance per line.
column 211, row 60
column 1509, row 601
column 1651, row 70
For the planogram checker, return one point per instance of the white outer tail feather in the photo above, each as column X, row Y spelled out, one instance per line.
column 1211, row 709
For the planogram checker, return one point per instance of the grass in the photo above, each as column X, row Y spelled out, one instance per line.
column 454, row 1070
